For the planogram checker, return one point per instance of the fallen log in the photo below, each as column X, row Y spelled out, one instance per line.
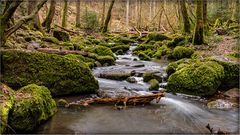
column 131, row 100
column 62, row 52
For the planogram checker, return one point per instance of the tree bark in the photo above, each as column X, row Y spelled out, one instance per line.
column 127, row 13
column 48, row 21
column 78, row 24
column 5, row 18
column 103, row 13
column 185, row 17
column 105, row 27
column 64, row 14
column 236, row 11
column 36, row 21
column 198, row 37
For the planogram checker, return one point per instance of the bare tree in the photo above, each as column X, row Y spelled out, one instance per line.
column 6, row 31
column 109, row 14
column 78, row 24
column 48, row 21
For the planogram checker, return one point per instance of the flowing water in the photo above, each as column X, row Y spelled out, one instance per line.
column 173, row 114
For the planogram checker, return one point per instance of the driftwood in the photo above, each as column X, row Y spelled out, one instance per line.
column 61, row 52
column 132, row 100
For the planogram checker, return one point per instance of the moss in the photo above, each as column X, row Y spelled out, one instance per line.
column 122, row 40
column 143, row 56
column 182, row 52
column 218, row 23
column 163, row 50
column 154, row 84
column 61, row 75
column 115, row 76
column 79, row 58
column 124, row 48
column 106, row 59
column 234, row 55
column 29, row 38
column 200, row 78
column 143, row 47
column 7, row 101
column 149, row 76
column 62, row 103
column 61, row 35
column 231, row 74
column 33, row 105
column 119, row 52
column 177, row 40
column 100, row 50
column 51, row 40
column 157, row 37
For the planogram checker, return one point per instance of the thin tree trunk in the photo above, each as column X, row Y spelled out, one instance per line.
column 127, row 13
column 236, row 13
column 78, row 23
column 198, row 37
column 103, row 13
column 140, row 15
column 185, row 17
column 64, row 15
column 48, row 21
column 109, row 14
column 36, row 21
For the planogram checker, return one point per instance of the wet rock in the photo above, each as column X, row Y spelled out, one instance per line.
column 232, row 93
column 221, row 104
column 97, row 64
column 62, row 103
column 154, row 84
column 133, row 72
column 115, row 76
column 135, row 59
column 33, row 46
column 138, row 65
column 34, row 104
column 131, row 80
column 150, row 75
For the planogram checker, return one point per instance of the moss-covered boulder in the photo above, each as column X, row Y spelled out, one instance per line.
column 51, row 40
column 7, row 100
column 61, row 35
column 149, row 76
column 180, row 52
column 61, row 75
column 100, row 50
column 157, row 37
column 231, row 74
column 34, row 104
column 163, row 50
column 143, row 47
column 115, row 76
column 199, row 78
column 154, row 84
column 106, row 60
column 116, row 48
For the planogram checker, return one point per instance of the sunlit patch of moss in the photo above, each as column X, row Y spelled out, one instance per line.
column 180, row 52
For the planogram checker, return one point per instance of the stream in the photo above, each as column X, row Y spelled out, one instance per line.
column 173, row 114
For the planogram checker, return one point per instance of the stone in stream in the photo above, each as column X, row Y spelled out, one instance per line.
column 34, row 104
column 131, row 80
column 232, row 93
column 221, row 104
column 150, row 75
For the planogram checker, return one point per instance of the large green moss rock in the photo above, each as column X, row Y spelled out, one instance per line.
column 231, row 74
column 100, row 50
column 154, row 84
column 7, row 99
column 147, row 76
column 116, row 48
column 180, row 52
column 61, row 35
column 61, row 75
column 33, row 105
column 199, row 78
column 143, row 56
column 157, row 37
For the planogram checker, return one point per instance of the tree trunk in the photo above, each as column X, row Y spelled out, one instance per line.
column 198, row 37
column 127, row 14
column 36, row 21
column 185, row 17
column 103, row 13
column 78, row 24
column 64, row 15
column 48, row 21
column 236, row 13
column 105, row 27
column 140, row 15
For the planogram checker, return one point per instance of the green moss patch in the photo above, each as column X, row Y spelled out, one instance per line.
column 154, row 84
column 61, row 75
column 180, row 52
column 33, row 105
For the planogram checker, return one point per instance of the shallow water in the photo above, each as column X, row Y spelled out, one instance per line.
column 173, row 114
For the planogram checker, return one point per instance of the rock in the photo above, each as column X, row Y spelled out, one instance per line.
column 135, row 59
column 97, row 64
column 131, row 80
column 62, row 103
column 33, row 46
column 115, row 76
column 149, row 76
column 51, row 40
column 61, row 75
column 132, row 73
column 221, row 31
column 7, row 100
column 100, row 51
column 138, row 65
column 61, row 35
column 33, row 105
column 180, row 52
column 200, row 78
column 123, row 48
column 143, row 56
column 220, row 104
column 232, row 93
column 154, row 84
